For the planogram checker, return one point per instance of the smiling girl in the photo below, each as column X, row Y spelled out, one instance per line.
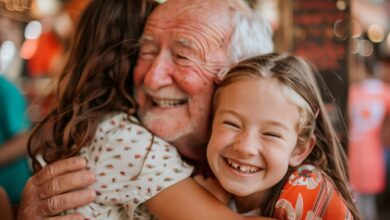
column 273, row 146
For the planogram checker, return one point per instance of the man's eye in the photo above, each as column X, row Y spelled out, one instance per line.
column 178, row 56
column 231, row 124
column 183, row 60
column 147, row 55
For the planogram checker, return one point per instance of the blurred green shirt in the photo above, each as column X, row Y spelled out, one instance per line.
column 13, row 121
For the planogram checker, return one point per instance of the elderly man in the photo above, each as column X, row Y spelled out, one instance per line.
column 185, row 46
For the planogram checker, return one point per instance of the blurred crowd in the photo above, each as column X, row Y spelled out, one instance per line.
column 32, row 54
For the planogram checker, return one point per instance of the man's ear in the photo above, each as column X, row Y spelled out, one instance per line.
column 301, row 152
column 221, row 75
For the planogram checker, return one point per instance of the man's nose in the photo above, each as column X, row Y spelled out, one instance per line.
column 247, row 144
column 160, row 72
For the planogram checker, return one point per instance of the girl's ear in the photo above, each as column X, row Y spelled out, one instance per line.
column 301, row 152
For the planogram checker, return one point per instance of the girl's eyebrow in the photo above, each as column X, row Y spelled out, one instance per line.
column 269, row 122
column 278, row 124
column 230, row 112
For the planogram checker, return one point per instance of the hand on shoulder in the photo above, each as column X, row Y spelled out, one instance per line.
column 57, row 187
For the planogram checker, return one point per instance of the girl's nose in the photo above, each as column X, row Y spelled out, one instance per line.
column 247, row 144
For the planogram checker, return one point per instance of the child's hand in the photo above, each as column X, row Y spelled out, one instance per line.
column 212, row 185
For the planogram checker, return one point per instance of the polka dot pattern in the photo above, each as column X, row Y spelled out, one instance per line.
column 131, row 167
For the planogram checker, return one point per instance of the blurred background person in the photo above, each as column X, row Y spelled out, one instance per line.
column 33, row 45
column 5, row 206
column 369, row 103
column 335, row 35
column 14, row 132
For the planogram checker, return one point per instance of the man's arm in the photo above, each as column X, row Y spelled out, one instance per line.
column 57, row 187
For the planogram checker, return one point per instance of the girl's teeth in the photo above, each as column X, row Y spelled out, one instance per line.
column 242, row 168
column 234, row 165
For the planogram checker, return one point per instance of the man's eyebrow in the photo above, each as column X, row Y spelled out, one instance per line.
column 185, row 43
column 146, row 38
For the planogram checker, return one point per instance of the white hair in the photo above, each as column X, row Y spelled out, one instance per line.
column 252, row 34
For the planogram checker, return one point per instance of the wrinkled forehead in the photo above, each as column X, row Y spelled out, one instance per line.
column 199, row 14
column 190, row 8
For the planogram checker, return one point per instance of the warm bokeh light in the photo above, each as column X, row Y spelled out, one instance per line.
column 29, row 48
column 45, row 7
column 33, row 30
column 341, row 5
column 388, row 41
column 7, row 52
column 365, row 48
column 340, row 29
column 354, row 45
column 375, row 33
column 357, row 29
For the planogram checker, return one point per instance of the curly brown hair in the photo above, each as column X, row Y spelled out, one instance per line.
column 97, row 78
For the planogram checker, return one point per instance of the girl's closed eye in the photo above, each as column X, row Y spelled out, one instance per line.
column 231, row 124
column 272, row 134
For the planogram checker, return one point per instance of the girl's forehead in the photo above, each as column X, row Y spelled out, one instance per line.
column 261, row 87
column 257, row 81
column 259, row 102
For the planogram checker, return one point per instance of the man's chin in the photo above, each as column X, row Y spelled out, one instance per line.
column 168, row 135
column 169, row 130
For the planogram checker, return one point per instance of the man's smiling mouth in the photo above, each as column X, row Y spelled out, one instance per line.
column 166, row 103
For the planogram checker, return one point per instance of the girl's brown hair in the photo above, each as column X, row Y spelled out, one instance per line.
column 297, row 78
column 97, row 78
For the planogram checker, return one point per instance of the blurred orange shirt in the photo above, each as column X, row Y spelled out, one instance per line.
column 47, row 51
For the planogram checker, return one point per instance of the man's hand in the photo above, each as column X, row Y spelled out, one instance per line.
column 57, row 187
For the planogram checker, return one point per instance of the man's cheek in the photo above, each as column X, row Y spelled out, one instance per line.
column 141, row 101
column 140, row 71
column 195, row 76
column 137, row 79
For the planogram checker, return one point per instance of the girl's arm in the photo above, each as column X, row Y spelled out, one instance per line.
column 145, row 169
column 214, row 187
column 188, row 200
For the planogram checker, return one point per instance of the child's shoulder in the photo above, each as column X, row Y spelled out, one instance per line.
column 307, row 176
column 303, row 182
column 122, row 129
column 115, row 119
column 308, row 181
column 120, row 122
column 307, row 192
column 118, row 127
